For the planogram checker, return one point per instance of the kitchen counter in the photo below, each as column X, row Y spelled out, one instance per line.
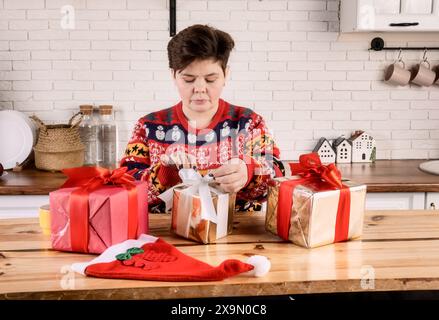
column 391, row 176
column 381, row 176
column 30, row 182
column 398, row 251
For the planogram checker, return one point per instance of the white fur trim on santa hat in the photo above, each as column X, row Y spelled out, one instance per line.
column 261, row 265
column 111, row 252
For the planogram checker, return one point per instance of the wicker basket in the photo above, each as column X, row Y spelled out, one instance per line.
column 59, row 146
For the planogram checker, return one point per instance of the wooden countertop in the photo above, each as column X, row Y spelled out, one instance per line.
column 381, row 176
column 399, row 248
column 391, row 176
column 30, row 182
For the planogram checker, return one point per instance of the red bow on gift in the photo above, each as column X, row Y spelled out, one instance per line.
column 89, row 179
column 310, row 166
column 311, row 169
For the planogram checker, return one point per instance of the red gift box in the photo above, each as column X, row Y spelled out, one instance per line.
column 97, row 208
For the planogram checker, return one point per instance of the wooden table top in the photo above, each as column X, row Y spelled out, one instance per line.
column 399, row 250
column 381, row 176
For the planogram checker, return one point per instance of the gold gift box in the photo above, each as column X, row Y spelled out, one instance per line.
column 314, row 213
column 188, row 220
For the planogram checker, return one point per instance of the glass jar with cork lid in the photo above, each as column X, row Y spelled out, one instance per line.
column 108, row 138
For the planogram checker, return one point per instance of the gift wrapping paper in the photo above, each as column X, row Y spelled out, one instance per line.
column 314, row 212
column 189, row 221
column 107, row 217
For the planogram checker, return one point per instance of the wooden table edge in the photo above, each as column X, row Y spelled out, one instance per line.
column 224, row 289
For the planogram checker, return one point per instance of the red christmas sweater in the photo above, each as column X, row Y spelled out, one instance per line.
column 234, row 132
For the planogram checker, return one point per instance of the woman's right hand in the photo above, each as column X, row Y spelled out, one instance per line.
column 179, row 160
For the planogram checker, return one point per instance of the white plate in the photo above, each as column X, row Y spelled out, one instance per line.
column 17, row 137
column 431, row 166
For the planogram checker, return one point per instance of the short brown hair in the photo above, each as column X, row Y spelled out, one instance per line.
column 199, row 42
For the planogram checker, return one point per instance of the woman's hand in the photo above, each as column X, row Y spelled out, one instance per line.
column 179, row 160
column 232, row 175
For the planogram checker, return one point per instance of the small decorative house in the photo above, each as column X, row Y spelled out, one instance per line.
column 343, row 150
column 325, row 151
column 363, row 147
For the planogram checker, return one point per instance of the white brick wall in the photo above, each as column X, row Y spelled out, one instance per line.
column 290, row 64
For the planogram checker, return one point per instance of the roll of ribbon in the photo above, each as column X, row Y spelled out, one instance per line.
column 44, row 214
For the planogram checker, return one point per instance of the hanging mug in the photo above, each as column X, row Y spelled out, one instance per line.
column 422, row 75
column 396, row 73
column 436, row 81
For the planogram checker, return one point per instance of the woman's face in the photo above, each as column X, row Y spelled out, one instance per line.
column 200, row 85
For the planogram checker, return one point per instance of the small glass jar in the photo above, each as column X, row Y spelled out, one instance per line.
column 88, row 130
column 108, row 138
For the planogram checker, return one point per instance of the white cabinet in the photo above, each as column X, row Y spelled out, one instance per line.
column 21, row 206
column 389, row 15
column 432, row 201
column 402, row 201
column 395, row 201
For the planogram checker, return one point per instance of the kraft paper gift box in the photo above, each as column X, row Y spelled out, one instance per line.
column 110, row 216
column 188, row 219
column 200, row 212
column 310, row 212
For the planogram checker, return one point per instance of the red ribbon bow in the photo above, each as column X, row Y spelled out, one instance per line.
column 89, row 179
column 311, row 169
column 310, row 166
column 92, row 178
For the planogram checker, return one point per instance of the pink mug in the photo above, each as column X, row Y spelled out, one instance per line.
column 397, row 74
column 422, row 75
column 436, row 81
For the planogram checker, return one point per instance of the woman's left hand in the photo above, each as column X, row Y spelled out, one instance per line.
column 232, row 175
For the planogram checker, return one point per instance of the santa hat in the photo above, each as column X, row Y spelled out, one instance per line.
column 151, row 258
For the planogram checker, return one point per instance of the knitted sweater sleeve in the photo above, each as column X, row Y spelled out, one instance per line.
column 137, row 156
column 261, row 155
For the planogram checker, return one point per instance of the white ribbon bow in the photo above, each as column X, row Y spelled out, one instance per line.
column 197, row 184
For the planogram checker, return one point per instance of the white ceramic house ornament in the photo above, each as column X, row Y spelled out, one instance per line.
column 325, row 151
column 343, row 150
column 363, row 147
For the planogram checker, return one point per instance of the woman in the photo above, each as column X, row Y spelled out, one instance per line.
column 203, row 131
